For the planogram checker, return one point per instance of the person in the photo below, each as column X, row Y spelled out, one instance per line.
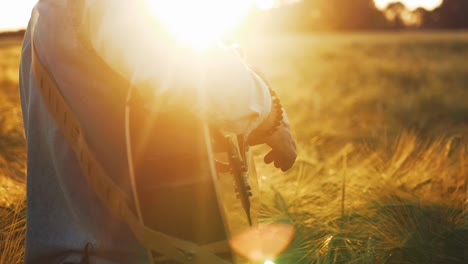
column 75, row 41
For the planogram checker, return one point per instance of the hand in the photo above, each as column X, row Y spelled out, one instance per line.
column 283, row 148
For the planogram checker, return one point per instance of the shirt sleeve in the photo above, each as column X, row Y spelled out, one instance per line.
column 129, row 40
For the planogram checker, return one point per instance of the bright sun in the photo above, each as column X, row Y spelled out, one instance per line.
column 265, row 4
column 199, row 23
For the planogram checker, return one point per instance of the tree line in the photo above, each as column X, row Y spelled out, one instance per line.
column 342, row 15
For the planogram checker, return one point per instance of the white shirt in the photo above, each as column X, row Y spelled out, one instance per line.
column 124, row 36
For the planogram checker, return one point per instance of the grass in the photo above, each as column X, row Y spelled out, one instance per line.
column 381, row 120
column 12, row 157
column 399, row 209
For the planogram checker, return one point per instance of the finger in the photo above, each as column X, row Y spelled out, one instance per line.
column 288, row 162
column 269, row 158
column 287, row 166
column 278, row 164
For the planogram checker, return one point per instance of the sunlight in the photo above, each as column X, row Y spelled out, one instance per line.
column 15, row 15
column 199, row 23
column 265, row 4
column 411, row 4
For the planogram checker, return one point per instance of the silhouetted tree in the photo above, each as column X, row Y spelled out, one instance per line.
column 452, row 14
column 335, row 15
column 308, row 15
column 425, row 18
column 394, row 13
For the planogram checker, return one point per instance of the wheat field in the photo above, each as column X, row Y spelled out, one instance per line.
column 381, row 121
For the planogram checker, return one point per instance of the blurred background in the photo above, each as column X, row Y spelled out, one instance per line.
column 377, row 95
column 314, row 15
column 322, row 15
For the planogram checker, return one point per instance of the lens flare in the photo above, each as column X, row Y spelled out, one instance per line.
column 263, row 242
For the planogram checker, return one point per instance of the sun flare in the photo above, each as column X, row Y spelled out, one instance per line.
column 199, row 23
column 265, row 4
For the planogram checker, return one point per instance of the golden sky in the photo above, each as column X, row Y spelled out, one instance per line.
column 14, row 14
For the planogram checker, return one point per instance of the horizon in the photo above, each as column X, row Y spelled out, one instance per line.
column 16, row 13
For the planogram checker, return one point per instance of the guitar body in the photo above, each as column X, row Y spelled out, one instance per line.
column 178, row 193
